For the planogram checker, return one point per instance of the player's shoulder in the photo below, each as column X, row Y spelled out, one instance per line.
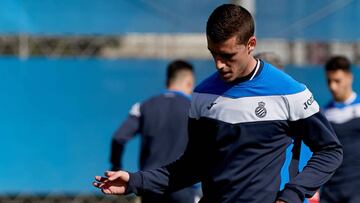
column 357, row 99
column 164, row 97
column 135, row 109
column 278, row 82
column 269, row 82
column 212, row 85
column 155, row 99
column 149, row 102
column 341, row 112
column 353, row 101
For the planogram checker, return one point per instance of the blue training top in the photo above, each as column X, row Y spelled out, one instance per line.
column 238, row 135
column 345, row 120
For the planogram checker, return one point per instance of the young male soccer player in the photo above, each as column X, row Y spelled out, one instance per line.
column 161, row 122
column 343, row 112
column 239, row 123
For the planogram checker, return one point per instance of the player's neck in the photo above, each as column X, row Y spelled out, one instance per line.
column 348, row 98
column 249, row 67
column 176, row 88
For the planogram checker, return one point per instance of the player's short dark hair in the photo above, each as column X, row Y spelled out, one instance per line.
column 338, row 63
column 175, row 67
column 229, row 20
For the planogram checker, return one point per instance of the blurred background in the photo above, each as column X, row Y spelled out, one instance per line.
column 71, row 69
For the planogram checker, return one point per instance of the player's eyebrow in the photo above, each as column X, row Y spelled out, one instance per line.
column 222, row 54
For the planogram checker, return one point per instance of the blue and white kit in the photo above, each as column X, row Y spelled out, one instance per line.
column 238, row 135
column 344, row 117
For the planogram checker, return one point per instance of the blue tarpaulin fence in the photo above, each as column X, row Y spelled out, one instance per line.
column 57, row 116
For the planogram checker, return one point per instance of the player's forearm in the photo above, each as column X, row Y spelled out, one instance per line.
column 116, row 155
column 316, row 133
column 126, row 131
column 170, row 178
column 135, row 184
column 179, row 174
column 317, row 172
column 154, row 181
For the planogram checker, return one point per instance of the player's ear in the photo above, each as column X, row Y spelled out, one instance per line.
column 251, row 44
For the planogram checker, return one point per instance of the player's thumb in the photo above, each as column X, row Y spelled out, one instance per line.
column 122, row 175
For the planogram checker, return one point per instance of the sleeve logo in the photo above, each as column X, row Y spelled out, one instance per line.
column 308, row 102
column 260, row 111
column 211, row 105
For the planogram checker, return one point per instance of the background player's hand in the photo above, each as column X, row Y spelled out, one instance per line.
column 114, row 182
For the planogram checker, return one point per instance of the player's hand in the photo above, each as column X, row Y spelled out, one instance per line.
column 279, row 201
column 114, row 182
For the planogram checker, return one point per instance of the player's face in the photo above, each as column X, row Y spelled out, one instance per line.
column 231, row 58
column 340, row 84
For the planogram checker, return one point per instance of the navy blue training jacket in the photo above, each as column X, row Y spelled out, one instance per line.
column 161, row 122
column 238, row 135
column 345, row 119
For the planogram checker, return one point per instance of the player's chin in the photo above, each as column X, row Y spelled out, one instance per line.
column 226, row 77
column 338, row 97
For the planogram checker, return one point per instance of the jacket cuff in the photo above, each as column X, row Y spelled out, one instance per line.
column 135, row 183
column 290, row 196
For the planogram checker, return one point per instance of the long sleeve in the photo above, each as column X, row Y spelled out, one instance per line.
column 179, row 174
column 316, row 133
column 128, row 129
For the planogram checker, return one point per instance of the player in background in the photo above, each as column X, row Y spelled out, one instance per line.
column 161, row 122
column 343, row 112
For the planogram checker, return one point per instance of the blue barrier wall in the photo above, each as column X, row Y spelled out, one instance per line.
column 103, row 17
column 57, row 116
column 305, row 19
